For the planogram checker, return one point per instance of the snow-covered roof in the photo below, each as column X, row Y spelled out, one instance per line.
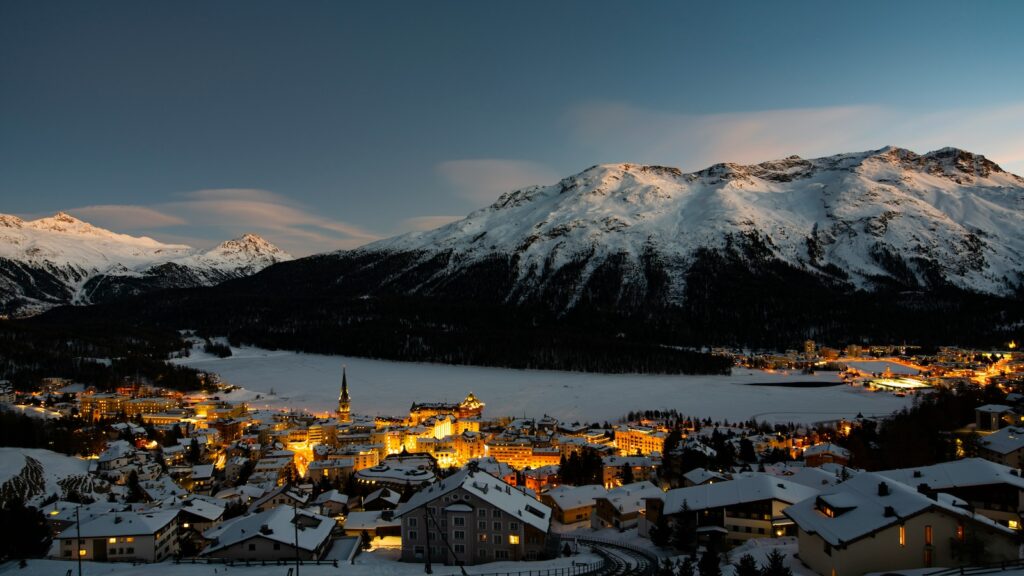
column 208, row 509
column 826, row 448
column 703, row 475
column 630, row 498
column 117, row 449
column 382, row 494
column 815, row 477
column 752, row 487
column 332, row 496
column 396, row 473
column 276, row 524
column 958, row 473
column 200, row 471
column 369, row 520
column 994, row 408
column 570, row 497
column 861, row 506
column 122, row 524
column 1005, row 441
column 492, row 490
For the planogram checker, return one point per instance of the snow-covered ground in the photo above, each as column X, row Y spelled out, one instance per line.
column 310, row 381
column 367, row 564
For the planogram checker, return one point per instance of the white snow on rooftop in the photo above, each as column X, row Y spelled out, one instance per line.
column 753, row 487
column 277, row 524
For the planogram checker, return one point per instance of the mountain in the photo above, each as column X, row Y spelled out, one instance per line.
column 63, row 260
column 622, row 267
column 629, row 234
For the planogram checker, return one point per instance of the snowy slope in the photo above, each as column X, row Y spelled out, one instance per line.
column 947, row 215
column 31, row 475
column 61, row 259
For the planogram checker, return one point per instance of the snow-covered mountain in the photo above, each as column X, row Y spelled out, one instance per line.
column 886, row 217
column 61, row 259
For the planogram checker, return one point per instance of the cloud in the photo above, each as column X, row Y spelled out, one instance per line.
column 421, row 223
column 620, row 132
column 481, row 181
column 294, row 227
column 126, row 217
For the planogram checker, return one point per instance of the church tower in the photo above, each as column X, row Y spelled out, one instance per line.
column 344, row 402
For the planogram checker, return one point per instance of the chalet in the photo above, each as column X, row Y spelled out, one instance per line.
column 281, row 533
column 621, row 508
column 381, row 499
column 280, row 496
column 991, row 417
column 826, row 453
column 992, row 490
column 700, row 476
column 872, row 523
column 472, row 517
column 332, row 503
column 748, row 506
column 571, row 504
column 1005, row 447
column 121, row 537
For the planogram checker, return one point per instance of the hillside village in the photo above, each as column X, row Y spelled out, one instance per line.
column 171, row 476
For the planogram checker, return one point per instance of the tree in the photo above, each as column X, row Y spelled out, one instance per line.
column 747, row 566
column 135, row 492
column 627, row 475
column 365, row 540
column 776, row 565
column 684, row 530
column 708, row 565
column 566, row 550
column 685, row 566
column 666, row 568
column 747, row 453
column 194, row 452
column 23, row 532
column 660, row 532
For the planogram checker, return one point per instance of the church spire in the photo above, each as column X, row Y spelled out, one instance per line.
column 344, row 402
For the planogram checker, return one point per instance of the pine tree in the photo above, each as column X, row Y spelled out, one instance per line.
column 627, row 474
column 747, row 566
column 666, row 568
column 660, row 533
column 684, row 533
column 776, row 565
column 708, row 565
column 685, row 566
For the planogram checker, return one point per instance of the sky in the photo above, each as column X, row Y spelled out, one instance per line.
column 326, row 125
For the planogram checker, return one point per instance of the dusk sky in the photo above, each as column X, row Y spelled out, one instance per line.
column 326, row 125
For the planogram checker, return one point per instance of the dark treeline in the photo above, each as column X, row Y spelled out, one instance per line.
column 95, row 354
column 60, row 435
column 396, row 307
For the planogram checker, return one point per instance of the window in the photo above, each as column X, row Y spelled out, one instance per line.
column 497, row 525
column 482, row 537
column 413, row 535
column 928, row 535
column 482, row 553
column 460, row 548
column 459, row 535
column 252, row 547
column 418, row 551
column 482, row 513
column 277, row 545
column 481, row 525
column 460, row 521
column 960, row 531
column 496, row 513
column 903, row 536
column 828, row 549
column 131, row 550
column 412, row 522
column 513, row 526
column 928, row 557
column 496, row 538
column 513, row 539
column 501, row 554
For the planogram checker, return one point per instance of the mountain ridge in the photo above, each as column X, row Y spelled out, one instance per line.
column 61, row 259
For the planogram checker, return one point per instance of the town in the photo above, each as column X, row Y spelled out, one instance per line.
column 190, row 477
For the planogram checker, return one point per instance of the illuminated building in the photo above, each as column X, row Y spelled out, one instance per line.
column 344, row 401
column 632, row 440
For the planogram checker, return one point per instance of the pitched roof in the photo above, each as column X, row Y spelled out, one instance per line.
column 956, row 474
column 1009, row 439
column 859, row 510
column 570, row 497
column 122, row 524
column 752, row 487
column 276, row 524
column 492, row 490
column 630, row 498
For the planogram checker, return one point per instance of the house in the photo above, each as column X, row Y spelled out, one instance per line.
column 872, row 523
column 614, row 467
column 826, row 453
column 472, row 517
column 748, row 506
column 121, row 537
column 197, row 514
column 332, row 503
column 992, row 490
column 281, row 496
column 381, row 499
column 991, row 417
column 621, row 508
column 571, row 504
column 1005, row 447
column 373, row 523
column 699, row 476
column 281, row 533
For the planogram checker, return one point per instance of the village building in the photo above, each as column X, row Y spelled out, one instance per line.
column 622, row 507
column 120, row 537
column 872, row 523
column 472, row 517
column 826, row 453
column 571, row 504
column 281, row 533
column 1005, row 446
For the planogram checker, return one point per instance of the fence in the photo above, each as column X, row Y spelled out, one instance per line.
column 983, row 569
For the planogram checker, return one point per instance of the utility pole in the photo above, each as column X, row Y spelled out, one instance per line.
column 78, row 541
column 295, row 521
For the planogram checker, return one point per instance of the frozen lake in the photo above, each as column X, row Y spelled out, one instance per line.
column 310, row 381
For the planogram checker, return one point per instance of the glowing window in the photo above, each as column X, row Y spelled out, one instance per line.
column 903, row 535
column 513, row 539
column 928, row 535
column 112, row 540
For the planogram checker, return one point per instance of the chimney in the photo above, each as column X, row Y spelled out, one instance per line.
column 883, row 489
column 926, row 490
column 889, row 512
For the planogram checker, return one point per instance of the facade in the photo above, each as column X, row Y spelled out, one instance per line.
column 121, row 537
column 633, row 440
column 472, row 517
column 622, row 507
column 571, row 504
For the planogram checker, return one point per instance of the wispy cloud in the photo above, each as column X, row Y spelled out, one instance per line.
column 126, row 217
column 620, row 132
column 482, row 180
